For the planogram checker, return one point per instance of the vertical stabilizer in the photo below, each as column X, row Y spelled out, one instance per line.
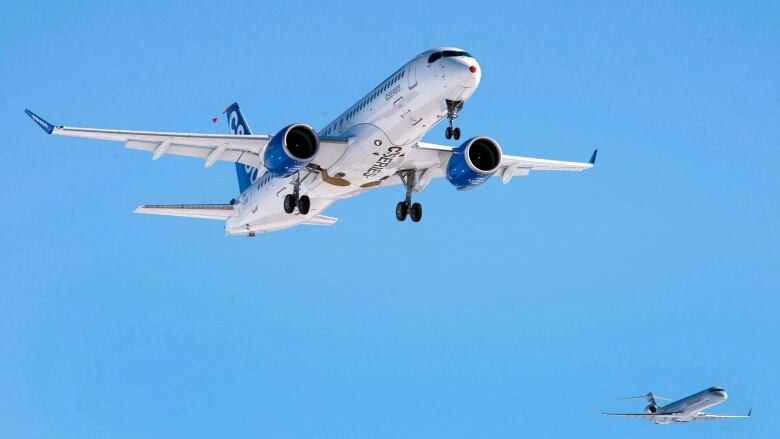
column 237, row 125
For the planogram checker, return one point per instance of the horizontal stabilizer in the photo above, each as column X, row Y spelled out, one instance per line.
column 322, row 220
column 203, row 211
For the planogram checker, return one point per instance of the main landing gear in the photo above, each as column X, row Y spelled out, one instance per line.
column 406, row 207
column 293, row 200
column 453, row 107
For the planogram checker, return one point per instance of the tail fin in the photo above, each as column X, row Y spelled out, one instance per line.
column 237, row 125
column 650, row 397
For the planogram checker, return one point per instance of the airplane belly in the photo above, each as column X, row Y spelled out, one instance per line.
column 262, row 210
column 371, row 157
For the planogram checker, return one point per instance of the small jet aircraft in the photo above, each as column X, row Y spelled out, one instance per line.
column 291, row 177
column 687, row 409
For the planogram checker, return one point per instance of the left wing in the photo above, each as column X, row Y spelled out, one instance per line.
column 675, row 417
column 647, row 416
column 245, row 149
column 709, row 417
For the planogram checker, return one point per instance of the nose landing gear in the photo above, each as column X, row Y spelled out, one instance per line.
column 453, row 107
column 406, row 207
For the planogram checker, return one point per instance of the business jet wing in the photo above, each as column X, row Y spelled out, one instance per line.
column 245, row 149
column 647, row 416
column 712, row 417
column 432, row 159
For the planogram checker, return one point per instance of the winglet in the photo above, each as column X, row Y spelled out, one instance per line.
column 750, row 412
column 46, row 126
column 592, row 160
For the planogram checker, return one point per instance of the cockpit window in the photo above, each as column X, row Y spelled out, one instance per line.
column 449, row 53
column 446, row 54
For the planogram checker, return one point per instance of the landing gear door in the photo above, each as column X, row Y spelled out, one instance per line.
column 411, row 74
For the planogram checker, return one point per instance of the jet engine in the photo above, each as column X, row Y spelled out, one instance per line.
column 651, row 408
column 291, row 149
column 473, row 162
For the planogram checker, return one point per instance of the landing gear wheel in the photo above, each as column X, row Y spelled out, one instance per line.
column 456, row 133
column 448, row 133
column 401, row 210
column 416, row 212
column 304, row 203
column 289, row 203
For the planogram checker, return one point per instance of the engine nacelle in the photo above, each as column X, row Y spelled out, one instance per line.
column 651, row 409
column 473, row 162
column 291, row 149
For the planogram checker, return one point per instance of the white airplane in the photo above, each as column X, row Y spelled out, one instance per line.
column 290, row 178
column 687, row 409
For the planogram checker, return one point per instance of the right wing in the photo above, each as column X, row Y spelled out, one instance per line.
column 238, row 148
column 431, row 160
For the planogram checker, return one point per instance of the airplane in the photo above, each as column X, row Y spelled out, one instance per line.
column 688, row 409
column 290, row 178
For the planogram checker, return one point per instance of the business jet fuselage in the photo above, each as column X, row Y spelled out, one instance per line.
column 688, row 409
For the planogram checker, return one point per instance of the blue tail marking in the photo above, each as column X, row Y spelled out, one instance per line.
column 237, row 124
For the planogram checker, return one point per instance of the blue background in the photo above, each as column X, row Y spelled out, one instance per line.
column 509, row 310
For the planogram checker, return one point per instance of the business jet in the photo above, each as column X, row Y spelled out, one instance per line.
column 687, row 409
column 290, row 178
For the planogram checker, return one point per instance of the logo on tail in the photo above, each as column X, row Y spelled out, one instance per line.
column 246, row 174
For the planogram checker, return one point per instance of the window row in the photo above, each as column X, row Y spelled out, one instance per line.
column 368, row 99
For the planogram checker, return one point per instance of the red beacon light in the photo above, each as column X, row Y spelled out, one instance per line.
column 473, row 69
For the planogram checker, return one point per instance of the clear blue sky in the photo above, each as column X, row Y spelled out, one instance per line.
column 508, row 311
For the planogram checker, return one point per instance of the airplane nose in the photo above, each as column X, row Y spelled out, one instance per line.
column 469, row 73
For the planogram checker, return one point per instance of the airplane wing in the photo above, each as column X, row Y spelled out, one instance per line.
column 647, row 416
column 711, row 417
column 432, row 159
column 210, row 147
column 203, row 211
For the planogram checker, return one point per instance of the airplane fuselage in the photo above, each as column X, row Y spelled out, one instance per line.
column 685, row 409
column 381, row 127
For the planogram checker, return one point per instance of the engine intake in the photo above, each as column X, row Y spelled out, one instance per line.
column 291, row 149
column 651, row 408
column 473, row 162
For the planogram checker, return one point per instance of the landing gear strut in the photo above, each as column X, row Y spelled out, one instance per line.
column 406, row 207
column 453, row 107
column 293, row 200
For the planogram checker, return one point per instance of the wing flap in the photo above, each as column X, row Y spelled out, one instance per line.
column 203, row 211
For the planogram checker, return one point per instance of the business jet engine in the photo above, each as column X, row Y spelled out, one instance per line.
column 651, row 408
column 473, row 162
column 291, row 149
